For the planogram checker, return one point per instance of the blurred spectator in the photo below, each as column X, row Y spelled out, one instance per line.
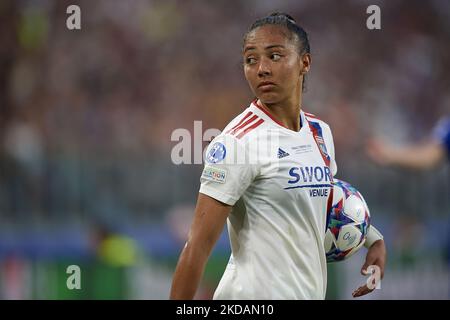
column 424, row 155
column 113, row 248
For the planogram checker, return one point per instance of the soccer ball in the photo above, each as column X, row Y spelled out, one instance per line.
column 348, row 222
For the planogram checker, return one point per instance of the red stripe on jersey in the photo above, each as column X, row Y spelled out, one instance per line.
column 268, row 114
column 310, row 115
column 250, row 128
column 240, row 122
column 244, row 124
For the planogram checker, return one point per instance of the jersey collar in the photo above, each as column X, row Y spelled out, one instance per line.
column 303, row 120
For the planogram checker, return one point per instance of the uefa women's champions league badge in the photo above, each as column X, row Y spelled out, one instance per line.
column 217, row 153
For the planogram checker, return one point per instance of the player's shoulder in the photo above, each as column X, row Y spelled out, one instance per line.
column 312, row 118
column 245, row 126
column 232, row 141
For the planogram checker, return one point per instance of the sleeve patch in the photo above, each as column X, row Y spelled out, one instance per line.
column 214, row 174
column 217, row 153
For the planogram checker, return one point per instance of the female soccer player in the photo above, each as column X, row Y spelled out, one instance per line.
column 269, row 174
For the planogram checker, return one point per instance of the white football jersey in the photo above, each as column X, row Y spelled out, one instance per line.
column 279, row 183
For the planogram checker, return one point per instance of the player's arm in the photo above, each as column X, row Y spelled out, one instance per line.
column 376, row 256
column 209, row 220
column 420, row 156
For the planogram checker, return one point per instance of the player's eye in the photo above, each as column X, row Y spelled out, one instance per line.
column 275, row 56
column 250, row 60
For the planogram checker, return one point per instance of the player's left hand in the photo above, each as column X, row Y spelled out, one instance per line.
column 376, row 255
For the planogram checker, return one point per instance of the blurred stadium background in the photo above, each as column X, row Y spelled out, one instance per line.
column 86, row 117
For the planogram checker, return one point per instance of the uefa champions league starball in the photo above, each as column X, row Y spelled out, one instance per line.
column 348, row 222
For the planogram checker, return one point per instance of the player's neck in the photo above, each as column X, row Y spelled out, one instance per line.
column 286, row 112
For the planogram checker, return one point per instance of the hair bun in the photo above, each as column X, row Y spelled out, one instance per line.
column 282, row 14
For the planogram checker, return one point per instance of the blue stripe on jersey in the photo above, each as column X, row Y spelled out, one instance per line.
column 310, row 186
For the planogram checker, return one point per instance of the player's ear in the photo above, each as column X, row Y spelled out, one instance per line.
column 305, row 63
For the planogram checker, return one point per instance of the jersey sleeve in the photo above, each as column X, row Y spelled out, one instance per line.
column 328, row 136
column 227, row 172
column 373, row 235
column 441, row 133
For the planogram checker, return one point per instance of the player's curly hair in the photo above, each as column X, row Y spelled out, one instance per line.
column 287, row 21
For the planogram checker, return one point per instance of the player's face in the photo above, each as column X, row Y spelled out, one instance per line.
column 272, row 65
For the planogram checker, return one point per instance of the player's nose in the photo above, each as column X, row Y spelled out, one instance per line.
column 264, row 68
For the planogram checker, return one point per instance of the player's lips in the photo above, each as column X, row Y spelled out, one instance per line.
column 266, row 85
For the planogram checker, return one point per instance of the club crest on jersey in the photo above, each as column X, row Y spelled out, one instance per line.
column 321, row 144
column 217, row 153
column 323, row 149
